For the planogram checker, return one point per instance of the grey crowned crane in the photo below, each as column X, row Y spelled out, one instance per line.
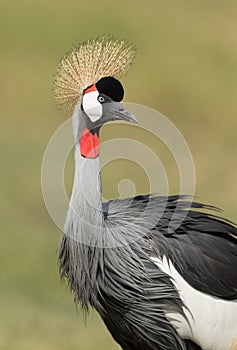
column 153, row 287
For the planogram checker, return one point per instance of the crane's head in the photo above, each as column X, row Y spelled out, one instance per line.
column 100, row 101
column 100, row 104
column 86, row 81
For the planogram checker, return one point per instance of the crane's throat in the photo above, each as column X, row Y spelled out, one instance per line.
column 89, row 144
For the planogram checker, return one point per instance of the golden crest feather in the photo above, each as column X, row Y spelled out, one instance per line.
column 86, row 64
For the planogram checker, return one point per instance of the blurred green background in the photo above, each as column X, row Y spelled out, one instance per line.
column 186, row 68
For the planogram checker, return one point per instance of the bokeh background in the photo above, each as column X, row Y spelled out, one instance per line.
column 186, row 68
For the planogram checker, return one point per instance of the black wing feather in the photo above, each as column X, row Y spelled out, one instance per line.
column 203, row 248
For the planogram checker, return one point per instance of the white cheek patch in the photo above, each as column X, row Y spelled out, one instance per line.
column 92, row 106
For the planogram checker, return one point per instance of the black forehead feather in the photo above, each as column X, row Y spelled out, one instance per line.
column 110, row 87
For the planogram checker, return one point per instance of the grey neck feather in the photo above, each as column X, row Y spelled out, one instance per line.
column 85, row 215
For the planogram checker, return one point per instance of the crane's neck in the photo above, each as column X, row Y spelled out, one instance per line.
column 85, row 216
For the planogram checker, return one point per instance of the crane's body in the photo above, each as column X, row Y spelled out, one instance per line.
column 107, row 270
column 155, row 288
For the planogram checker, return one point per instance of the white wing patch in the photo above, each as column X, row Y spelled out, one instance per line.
column 213, row 322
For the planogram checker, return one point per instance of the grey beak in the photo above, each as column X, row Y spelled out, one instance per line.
column 113, row 111
column 127, row 116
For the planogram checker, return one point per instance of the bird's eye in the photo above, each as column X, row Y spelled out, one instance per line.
column 101, row 99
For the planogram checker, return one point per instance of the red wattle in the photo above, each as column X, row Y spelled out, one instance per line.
column 89, row 144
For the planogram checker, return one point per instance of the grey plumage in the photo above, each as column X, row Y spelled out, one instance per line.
column 126, row 288
column 131, row 294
